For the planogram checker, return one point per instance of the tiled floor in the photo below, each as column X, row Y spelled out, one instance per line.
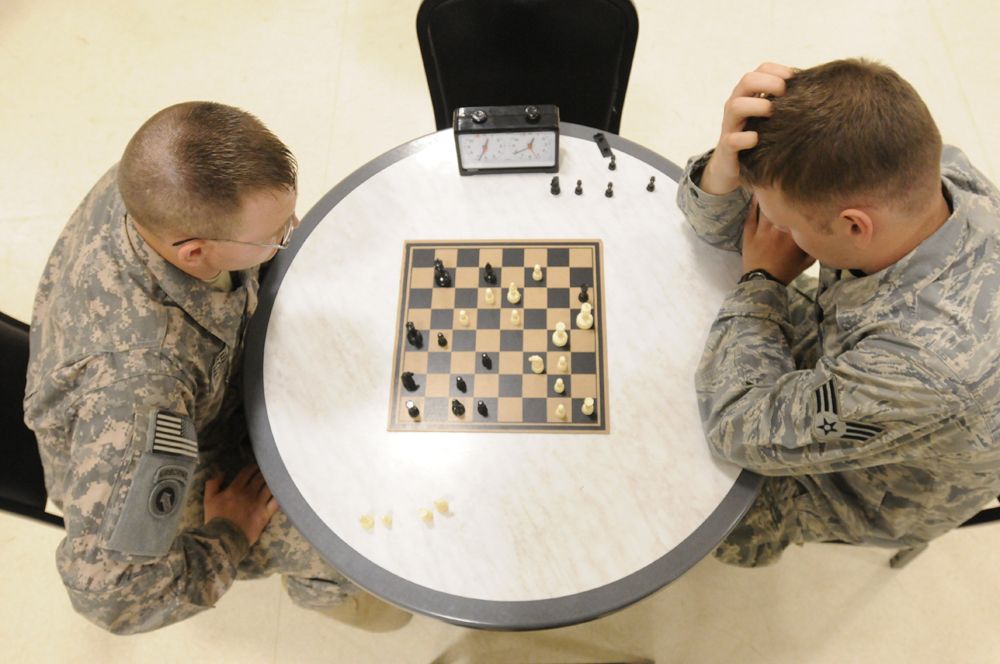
column 341, row 81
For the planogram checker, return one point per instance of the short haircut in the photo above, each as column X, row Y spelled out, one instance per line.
column 848, row 129
column 188, row 168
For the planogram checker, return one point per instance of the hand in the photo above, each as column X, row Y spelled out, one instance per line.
column 247, row 501
column 722, row 173
column 765, row 247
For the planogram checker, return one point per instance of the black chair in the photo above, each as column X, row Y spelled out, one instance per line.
column 22, row 485
column 576, row 54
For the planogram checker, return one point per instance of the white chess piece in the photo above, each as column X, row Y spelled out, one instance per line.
column 588, row 406
column 515, row 317
column 584, row 319
column 563, row 363
column 536, row 274
column 559, row 386
column 513, row 295
column 463, row 318
column 537, row 364
column 561, row 412
column 560, row 337
column 489, row 297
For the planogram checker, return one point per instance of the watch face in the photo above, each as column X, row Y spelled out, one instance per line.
column 516, row 149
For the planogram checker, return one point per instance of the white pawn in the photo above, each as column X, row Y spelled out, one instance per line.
column 515, row 317
column 536, row 274
column 561, row 412
column 584, row 319
column 559, row 386
column 537, row 364
column 560, row 336
column 588, row 406
column 562, row 364
column 463, row 318
column 513, row 296
column 489, row 297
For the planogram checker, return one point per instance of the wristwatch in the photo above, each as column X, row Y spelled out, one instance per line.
column 756, row 274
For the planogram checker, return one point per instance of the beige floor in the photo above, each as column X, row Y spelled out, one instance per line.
column 341, row 81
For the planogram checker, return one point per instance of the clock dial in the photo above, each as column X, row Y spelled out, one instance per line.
column 508, row 149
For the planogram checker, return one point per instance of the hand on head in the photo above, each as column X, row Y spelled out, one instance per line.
column 767, row 247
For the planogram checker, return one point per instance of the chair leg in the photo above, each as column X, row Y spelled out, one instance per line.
column 904, row 556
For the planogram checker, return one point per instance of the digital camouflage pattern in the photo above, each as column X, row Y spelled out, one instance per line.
column 872, row 402
column 125, row 348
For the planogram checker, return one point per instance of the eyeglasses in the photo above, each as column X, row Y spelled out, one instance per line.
column 286, row 237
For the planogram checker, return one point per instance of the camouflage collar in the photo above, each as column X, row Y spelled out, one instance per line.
column 218, row 312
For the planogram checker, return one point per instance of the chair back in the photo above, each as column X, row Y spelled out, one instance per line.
column 576, row 54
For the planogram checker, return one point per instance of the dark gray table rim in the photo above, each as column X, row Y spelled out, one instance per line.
column 464, row 611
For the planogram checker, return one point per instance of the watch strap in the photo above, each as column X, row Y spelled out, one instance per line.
column 758, row 273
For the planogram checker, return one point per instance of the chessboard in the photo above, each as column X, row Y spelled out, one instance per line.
column 467, row 358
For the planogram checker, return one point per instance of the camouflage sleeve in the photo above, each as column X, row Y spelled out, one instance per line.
column 126, row 563
column 717, row 219
column 871, row 405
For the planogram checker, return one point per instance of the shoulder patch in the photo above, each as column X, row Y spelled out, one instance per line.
column 172, row 434
column 827, row 426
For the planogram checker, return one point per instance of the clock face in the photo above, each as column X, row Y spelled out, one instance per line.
column 516, row 149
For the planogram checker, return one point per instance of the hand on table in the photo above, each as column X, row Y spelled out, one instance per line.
column 722, row 173
column 766, row 247
column 246, row 501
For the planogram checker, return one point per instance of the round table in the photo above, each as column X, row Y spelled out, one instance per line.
column 542, row 529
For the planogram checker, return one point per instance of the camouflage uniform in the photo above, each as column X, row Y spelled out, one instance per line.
column 134, row 394
column 871, row 402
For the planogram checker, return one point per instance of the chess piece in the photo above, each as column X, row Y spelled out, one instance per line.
column 554, row 186
column 560, row 337
column 652, row 184
column 609, row 192
column 561, row 412
column 513, row 295
column 483, row 410
column 426, row 516
column 559, row 386
column 584, row 319
column 463, row 318
column 441, row 505
column 579, row 187
column 367, row 522
column 537, row 364
column 414, row 336
column 487, row 361
column 489, row 297
column 515, row 317
column 412, row 409
column 441, row 275
column 583, row 296
column 387, row 520
column 536, row 274
column 612, row 165
column 408, row 381
column 457, row 407
column 460, row 384
column 442, row 341
column 562, row 364
column 588, row 407
column 489, row 276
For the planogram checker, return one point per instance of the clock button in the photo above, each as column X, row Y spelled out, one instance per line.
column 479, row 116
column 531, row 112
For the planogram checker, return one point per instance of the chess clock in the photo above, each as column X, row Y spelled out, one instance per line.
column 507, row 139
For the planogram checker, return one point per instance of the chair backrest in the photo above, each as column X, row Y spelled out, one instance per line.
column 576, row 54
column 22, row 483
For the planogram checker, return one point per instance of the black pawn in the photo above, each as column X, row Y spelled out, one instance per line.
column 483, row 410
column 652, row 184
column 442, row 341
column 408, row 381
column 554, row 186
column 487, row 361
column 412, row 409
column 609, row 192
column 413, row 335
column 460, row 384
column 583, row 297
column 612, row 165
column 457, row 407
column 489, row 276
column 579, row 187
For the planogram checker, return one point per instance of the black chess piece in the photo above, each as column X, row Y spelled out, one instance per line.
column 612, row 165
column 489, row 276
column 460, row 384
column 457, row 407
column 441, row 276
column 408, row 381
column 487, row 361
column 442, row 341
column 554, row 186
column 652, row 184
column 579, row 187
column 609, row 192
column 412, row 409
column 414, row 336
column 583, row 297
column 483, row 410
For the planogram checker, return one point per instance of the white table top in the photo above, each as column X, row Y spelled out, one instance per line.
column 542, row 529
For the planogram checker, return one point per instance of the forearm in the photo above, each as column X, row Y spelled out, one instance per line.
column 716, row 218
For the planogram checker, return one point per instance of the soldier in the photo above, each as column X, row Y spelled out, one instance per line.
column 868, row 397
column 134, row 379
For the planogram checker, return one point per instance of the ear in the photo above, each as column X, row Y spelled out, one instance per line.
column 859, row 225
column 192, row 254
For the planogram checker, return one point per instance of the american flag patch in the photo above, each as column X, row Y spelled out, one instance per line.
column 173, row 435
